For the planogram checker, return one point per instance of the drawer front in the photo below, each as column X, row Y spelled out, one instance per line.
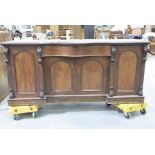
column 76, row 51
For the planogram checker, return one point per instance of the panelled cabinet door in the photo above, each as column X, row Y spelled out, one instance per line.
column 59, row 75
column 24, row 71
column 128, row 70
column 93, row 75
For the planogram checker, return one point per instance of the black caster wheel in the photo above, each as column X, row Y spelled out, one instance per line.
column 15, row 117
column 119, row 110
column 34, row 114
column 127, row 115
column 143, row 111
column 108, row 105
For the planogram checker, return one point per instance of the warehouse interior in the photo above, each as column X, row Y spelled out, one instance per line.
column 77, row 31
column 79, row 115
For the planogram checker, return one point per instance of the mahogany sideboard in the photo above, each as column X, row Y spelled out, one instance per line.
column 86, row 70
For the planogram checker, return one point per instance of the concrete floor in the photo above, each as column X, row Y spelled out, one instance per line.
column 96, row 115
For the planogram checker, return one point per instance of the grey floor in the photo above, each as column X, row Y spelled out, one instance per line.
column 96, row 115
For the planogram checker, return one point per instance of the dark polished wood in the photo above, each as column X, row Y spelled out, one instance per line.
column 75, row 71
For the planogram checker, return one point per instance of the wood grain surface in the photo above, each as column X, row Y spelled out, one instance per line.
column 25, row 73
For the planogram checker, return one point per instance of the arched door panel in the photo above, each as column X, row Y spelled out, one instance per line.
column 25, row 73
column 127, row 72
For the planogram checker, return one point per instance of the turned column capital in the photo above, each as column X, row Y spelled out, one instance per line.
column 6, row 54
column 113, row 54
column 39, row 52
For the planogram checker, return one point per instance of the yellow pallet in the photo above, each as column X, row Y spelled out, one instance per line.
column 127, row 108
column 16, row 110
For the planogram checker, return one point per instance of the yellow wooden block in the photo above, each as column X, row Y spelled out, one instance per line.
column 22, row 109
column 130, row 107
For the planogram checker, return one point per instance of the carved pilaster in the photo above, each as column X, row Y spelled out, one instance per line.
column 6, row 54
column 41, row 80
column 6, row 59
column 39, row 52
column 112, row 70
column 144, row 58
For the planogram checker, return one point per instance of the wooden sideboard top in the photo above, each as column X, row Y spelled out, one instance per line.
column 77, row 41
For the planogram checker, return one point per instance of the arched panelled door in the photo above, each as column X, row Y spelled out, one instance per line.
column 76, row 75
column 25, row 73
column 127, row 64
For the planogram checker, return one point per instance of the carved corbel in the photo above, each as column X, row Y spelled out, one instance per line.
column 39, row 51
column 6, row 54
column 113, row 54
column 144, row 55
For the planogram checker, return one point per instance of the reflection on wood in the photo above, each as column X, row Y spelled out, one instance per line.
column 61, row 77
column 92, row 76
column 127, row 71
column 25, row 73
